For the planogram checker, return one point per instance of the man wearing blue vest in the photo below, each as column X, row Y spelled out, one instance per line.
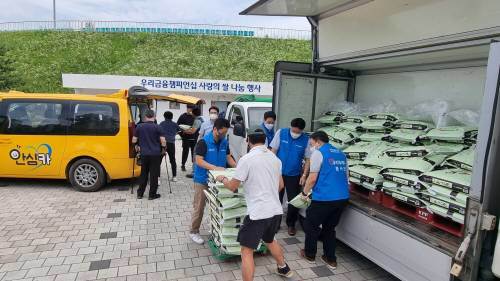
column 291, row 147
column 328, row 180
column 268, row 126
column 212, row 153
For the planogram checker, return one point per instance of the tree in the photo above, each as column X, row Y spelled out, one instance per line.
column 7, row 79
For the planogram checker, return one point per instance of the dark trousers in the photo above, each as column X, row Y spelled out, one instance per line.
column 171, row 157
column 150, row 167
column 187, row 145
column 293, row 189
column 327, row 214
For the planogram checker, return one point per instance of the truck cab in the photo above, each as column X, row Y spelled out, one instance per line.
column 244, row 117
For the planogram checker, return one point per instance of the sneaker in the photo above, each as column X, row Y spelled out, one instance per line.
column 303, row 255
column 139, row 196
column 196, row 237
column 189, row 176
column 183, row 168
column 292, row 231
column 285, row 271
column 331, row 264
column 153, row 197
column 174, row 179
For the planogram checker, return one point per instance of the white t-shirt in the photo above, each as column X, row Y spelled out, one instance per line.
column 260, row 171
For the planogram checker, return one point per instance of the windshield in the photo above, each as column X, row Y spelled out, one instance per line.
column 256, row 116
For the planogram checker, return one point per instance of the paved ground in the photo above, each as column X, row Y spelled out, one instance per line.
column 49, row 231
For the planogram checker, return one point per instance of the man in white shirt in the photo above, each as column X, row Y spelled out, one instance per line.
column 260, row 172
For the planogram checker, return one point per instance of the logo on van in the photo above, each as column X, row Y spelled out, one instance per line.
column 36, row 156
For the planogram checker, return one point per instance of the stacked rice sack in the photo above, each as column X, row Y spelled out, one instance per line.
column 409, row 160
column 448, row 186
column 227, row 210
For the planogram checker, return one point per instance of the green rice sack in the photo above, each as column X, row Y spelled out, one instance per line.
column 446, row 213
column 369, row 177
column 455, row 134
column 407, row 151
column 385, row 116
column 373, row 137
column 413, row 165
column 440, row 191
column 408, row 180
column 350, row 126
column 462, row 160
column 455, row 179
column 444, row 202
column 331, row 117
column 393, row 186
column 375, row 125
column 444, row 148
column 408, row 198
column 413, row 125
column 407, row 135
column 355, row 119
column 359, row 150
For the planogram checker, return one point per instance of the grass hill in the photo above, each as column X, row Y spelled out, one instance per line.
column 40, row 57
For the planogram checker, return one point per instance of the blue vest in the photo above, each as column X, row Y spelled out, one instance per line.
column 216, row 155
column 291, row 152
column 331, row 184
column 269, row 133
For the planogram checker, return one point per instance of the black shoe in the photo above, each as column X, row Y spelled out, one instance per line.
column 189, row 176
column 183, row 168
column 139, row 196
column 304, row 256
column 156, row 196
column 292, row 231
column 331, row 264
column 285, row 271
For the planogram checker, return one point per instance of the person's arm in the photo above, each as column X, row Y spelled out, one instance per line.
column 275, row 143
column 240, row 175
column 281, row 184
column 201, row 151
column 310, row 182
column 163, row 141
column 314, row 168
column 230, row 161
column 135, row 139
column 231, row 184
column 307, row 165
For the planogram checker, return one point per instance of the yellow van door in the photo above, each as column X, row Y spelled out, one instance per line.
column 32, row 137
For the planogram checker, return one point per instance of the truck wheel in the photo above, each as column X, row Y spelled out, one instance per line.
column 87, row 175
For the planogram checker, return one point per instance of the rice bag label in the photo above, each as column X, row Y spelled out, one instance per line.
column 439, row 202
column 400, row 197
column 401, row 181
column 442, row 183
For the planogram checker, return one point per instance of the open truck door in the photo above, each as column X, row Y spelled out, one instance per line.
column 300, row 93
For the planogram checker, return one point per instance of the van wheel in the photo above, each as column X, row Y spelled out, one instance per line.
column 87, row 175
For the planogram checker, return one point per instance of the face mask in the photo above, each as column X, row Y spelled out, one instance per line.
column 269, row 126
column 295, row 135
column 213, row 116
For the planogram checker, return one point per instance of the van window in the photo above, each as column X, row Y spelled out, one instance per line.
column 256, row 117
column 33, row 117
column 94, row 119
column 237, row 116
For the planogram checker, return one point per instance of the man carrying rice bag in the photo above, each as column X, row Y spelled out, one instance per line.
column 328, row 180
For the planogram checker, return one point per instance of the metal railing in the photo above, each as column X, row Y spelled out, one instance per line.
column 157, row 27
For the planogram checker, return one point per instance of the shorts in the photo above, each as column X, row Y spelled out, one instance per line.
column 252, row 231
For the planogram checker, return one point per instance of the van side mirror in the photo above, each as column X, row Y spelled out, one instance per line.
column 239, row 130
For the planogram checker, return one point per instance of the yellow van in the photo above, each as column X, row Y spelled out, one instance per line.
column 83, row 138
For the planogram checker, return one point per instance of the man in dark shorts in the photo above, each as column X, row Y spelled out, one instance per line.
column 260, row 171
column 149, row 142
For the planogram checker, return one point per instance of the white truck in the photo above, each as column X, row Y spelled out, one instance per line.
column 410, row 51
column 243, row 116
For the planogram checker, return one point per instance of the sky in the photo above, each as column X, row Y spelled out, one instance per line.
column 170, row 11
